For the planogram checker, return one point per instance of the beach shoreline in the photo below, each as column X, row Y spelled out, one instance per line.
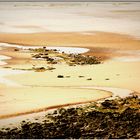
column 110, row 32
column 55, row 83
column 81, row 59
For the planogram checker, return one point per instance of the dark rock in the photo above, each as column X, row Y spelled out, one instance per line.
column 37, row 56
column 87, row 122
column 16, row 49
column 89, row 79
column 60, row 76
column 40, row 69
column 107, row 79
column 81, row 76
column 109, row 104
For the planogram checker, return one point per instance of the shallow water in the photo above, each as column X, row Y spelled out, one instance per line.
column 2, row 58
column 115, row 91
column 59, row 49
column 40, row 115
column 27, row 17
column 6, row 72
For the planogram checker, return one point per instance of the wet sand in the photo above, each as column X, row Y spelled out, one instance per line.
column 118, row 44
column 120, row 74
column 76, row 39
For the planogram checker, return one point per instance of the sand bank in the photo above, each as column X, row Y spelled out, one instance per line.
column 73, row 39
column 111, row 77
column 119, row 74
column 38, row 115
column 28, row 96
column 104, row 34
column 69, row 90
column 111, row 74
column 30, row 100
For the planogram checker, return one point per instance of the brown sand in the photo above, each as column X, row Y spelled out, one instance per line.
column 98, row 39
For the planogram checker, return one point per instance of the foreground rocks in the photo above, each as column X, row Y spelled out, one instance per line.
column 118, row 118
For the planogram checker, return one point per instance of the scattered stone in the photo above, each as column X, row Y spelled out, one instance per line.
column 109, row 104
column 16, row 49
column 70, row 59
column 84, row 60
column 37, row 56
column 81, row 76
column 71, row 64
column 54, row 62
column 40, row 69
column 50, row 68
column 89, row 79
column 60, row 76
column 107, row 79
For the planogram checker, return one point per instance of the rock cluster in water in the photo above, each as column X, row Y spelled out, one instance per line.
column 54, row 57
column 117, row 119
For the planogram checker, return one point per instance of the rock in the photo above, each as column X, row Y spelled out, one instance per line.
column 71, row 64
column 81, row 76
column 54, row 62
column 60, row 76
column 86, row 122
column 89, row 79
column 40, row 69
column 37, row 56
column 44, row 57
column 16, row 49
column 107, row 79
column 50, row 68
column 109, row 104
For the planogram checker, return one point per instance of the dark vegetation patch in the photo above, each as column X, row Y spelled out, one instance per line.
column 118, row 118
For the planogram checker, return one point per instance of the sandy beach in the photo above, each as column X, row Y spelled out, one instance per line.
column 25, row 92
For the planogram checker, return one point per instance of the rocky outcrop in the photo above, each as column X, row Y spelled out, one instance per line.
column 70, row 59
column 111, row 119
